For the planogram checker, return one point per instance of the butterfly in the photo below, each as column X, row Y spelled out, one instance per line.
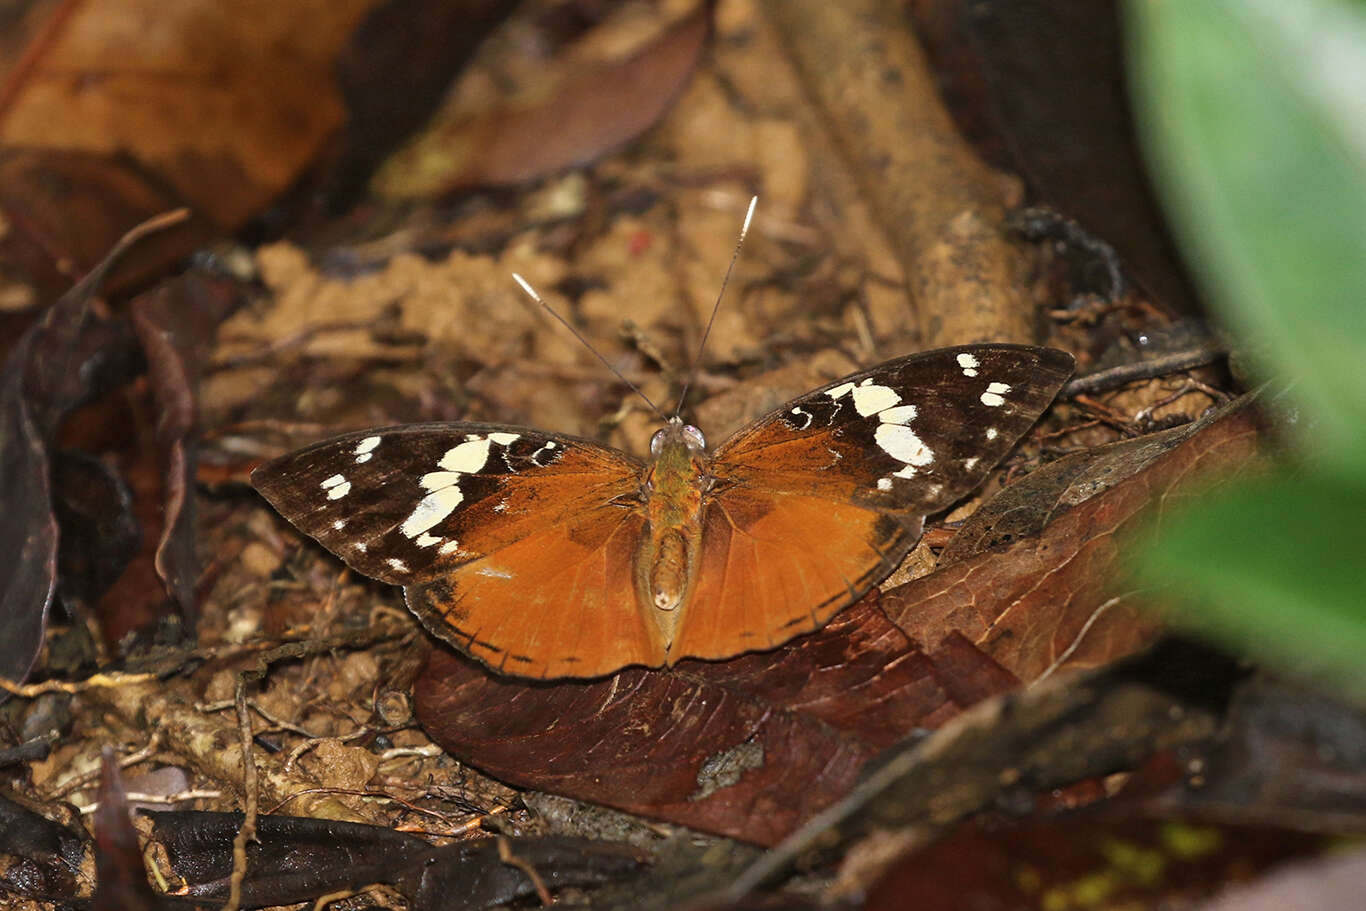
column 544, row 555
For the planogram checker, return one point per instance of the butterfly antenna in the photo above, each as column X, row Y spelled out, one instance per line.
column 531, row 292
column 697, row 361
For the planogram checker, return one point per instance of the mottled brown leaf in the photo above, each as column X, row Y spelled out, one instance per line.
column 584, row 117
column 228, row 104
column 59, row 363
column 748, row 748
column 1057, row 599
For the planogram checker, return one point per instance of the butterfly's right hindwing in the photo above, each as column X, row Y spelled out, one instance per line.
column 406, row 504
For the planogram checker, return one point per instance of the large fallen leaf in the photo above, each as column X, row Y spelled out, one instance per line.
column 578, row 120
column 1054, row 596
column 748, row 748
column 53, row 367
column 227, row 102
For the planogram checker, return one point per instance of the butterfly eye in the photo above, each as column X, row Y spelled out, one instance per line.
column 694, row 437
column 656, row 442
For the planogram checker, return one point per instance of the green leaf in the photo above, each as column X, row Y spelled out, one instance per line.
column 1274, row 568
column 1254, row 116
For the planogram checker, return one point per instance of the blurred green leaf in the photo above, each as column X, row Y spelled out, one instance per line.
column 1254, row 116
column 1276, row 567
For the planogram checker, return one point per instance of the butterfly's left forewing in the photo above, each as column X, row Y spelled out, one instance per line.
column 817, row 502
column 514, row 545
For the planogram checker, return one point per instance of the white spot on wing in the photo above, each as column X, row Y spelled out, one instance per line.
column 494, row 572
column 836, row 391
column 426, row 540
column 361, row 547
column 504, row 439
column 902, row 444
column 333, row 481
column 339, row 525
column 468, row 457
column 431, row 509
column 968, row 363
column 341, row 490
column 971, row 463
column 870, row 398
column 884, row 483
column 902, row 414
column 991, row 433
column 994, row 396
column 397, row 565
column 449, row 547
column 435, row 480
column 364, row 449
column 907, row 472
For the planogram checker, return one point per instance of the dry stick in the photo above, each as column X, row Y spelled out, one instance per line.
column 33, row 690
column 1142, row 370
column 940, row 205
column 506, row 856
column 247, row 832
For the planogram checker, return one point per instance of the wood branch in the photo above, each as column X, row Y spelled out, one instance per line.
column 938, row 202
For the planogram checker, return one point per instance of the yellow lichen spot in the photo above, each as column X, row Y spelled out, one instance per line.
column 1093, row 891
column 1027, row 878
column 1140, row 864
column 1055, row 899
column 1187, row 842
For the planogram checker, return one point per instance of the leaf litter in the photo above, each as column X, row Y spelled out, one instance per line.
column 390, row 324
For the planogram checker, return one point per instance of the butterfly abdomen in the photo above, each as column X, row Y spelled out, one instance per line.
column 666, row 563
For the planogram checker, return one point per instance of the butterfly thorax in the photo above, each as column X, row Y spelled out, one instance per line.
column 675, row 482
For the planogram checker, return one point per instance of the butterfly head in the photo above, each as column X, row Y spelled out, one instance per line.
column 678, row 436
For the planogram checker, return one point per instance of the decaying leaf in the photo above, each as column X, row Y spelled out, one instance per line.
column 1054, row 597
column 227, row 104
column 53, row 367
column 748, row 748
column 583, row 118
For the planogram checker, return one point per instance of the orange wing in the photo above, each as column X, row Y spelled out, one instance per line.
column 777, row 564
column 514, row 545
column 816, row 503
